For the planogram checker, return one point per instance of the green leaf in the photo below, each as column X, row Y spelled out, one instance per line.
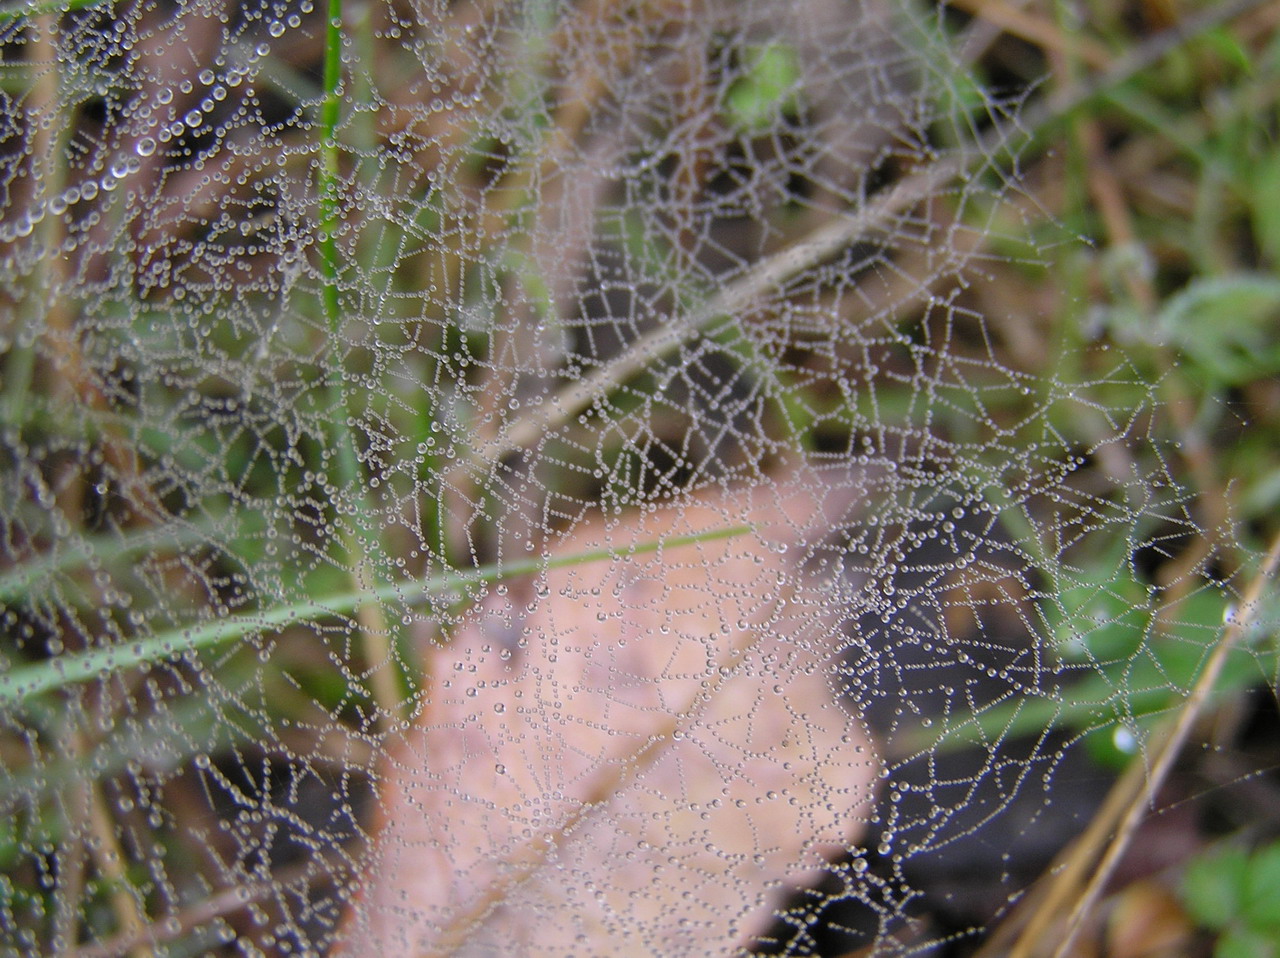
column 1262, row 495
column 1246, row 943
column 1223, row 42
column 1113, row 747
column 1213, row 887
column 767, row 88
column 1266, row 200
column 1227, row 326
column 1262, row 890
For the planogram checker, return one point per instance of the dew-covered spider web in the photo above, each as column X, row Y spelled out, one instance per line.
column 563, row 477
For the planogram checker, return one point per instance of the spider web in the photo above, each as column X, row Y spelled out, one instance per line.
column 544, row 478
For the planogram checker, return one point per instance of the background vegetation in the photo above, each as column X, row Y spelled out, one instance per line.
column 217, row 444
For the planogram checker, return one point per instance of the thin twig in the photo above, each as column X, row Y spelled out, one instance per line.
column 1037, row 30
column 558, row 240
column 1171, row 745
column 219, row 905
column 48, row 312
column 88, row 822
column 108, row 856
column 775, row 271
column 1087, row 865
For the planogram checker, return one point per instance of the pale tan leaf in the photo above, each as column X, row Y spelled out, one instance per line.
column 650, row 751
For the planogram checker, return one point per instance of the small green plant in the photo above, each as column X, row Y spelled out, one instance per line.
column 766, row 90
column 1236, row 894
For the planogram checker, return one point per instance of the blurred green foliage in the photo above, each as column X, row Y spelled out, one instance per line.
column 1235, row 893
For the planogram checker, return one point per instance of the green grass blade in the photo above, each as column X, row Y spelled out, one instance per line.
column 33, row 680
column 42, row 7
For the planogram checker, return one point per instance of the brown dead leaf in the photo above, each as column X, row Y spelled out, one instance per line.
column 643, row 758
column 1146, row 920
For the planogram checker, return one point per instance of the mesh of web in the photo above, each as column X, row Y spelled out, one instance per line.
column 688, row 584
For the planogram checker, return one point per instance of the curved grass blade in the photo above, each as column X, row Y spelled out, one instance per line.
column 33, row 680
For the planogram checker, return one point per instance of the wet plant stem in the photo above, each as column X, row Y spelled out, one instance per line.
column 1170, row 743
column 29, row 681
column 375, row 635
column 1052, row 917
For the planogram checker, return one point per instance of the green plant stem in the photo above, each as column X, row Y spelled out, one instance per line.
column 327, row 186
column 22, row 11
column 328, row 178
column 25, row 682
column 372, row 625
